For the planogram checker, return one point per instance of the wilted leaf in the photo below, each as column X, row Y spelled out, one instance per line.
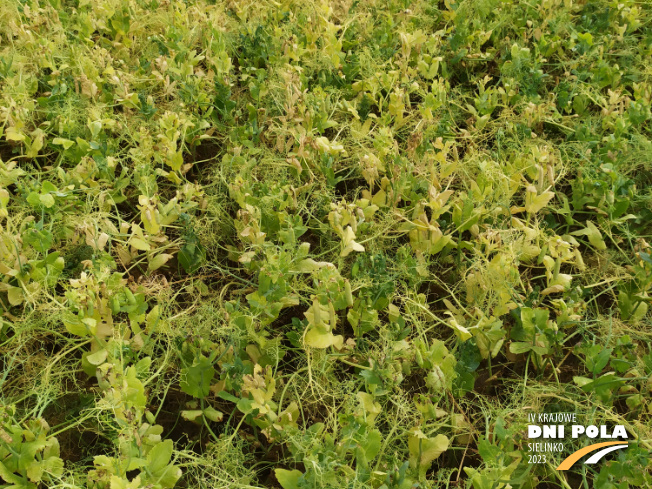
column 593, row 234
column 348, row 240
column 158, row 261
column 191, row 415
column 139, row 244
column 461, row 332
column 555, row 289
column 533, row 202
column 424, row 450
column 213, row 414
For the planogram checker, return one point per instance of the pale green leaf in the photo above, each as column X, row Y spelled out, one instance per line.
column 191, row 415
column 424, row 450
column 139, row 244
column 213, row 414
column 158, row 261
column 518, row 347
column 66, row 143
column 319, row 339
column 593, row 234
column 15, row 296
column 47, row 200
column 533, row 202
column 289, row 479
column 97, row 358
column 159, row 457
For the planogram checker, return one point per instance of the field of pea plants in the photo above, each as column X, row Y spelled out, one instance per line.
column 297, row 244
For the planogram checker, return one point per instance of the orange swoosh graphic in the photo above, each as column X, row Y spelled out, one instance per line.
column 574, row 457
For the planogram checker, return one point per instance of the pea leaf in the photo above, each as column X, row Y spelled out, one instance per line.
column 424, row 450
column 533, row 202
column 593, row 234
column 158, row 261
column 15, row 296
column 197, row 379
column 66, row 143
column 289, row 479
column 162, row 471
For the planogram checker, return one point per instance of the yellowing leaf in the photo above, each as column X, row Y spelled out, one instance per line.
column 326, row 146
column 555, row 289
column 36, row 144
column 66, row 143
column 424, row 450
column 348, row 239
column 309, row 265
column 380, row 199
column 371, row 408
column 533, row 202
column 158, row 261
column 461, row 332
column 518, row 347
column 289, row 479
column 581, row 381
column 593, row 234
column 98, row 357
column 13, row 134
column 91, row 324
column 149, row 215
column 139, row 244
column 191, row 415
column 75, row 326
column 562, row 279
column 462, row 428
column 150, row 222
column 213, row 414
column 118, row 483
column 319, row 339
column 47, row 200
column 15, row 296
